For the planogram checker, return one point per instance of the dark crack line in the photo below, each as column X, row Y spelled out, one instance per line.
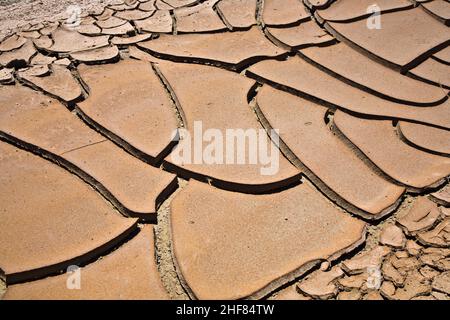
column 364, row 16
column 70, row 104
column 222, row 17
column 332, row 106
column 377, row 170
column 174, row 22
column 85, row 146
column 129, row 148
column 80, row 261
column 403, row 69
column 234, row 67
column 444, row 87
column 86, row 177
column 321, row 186
column 179, row 113
column 404, row 139
column 367, row 89
column 266, row 188
column 438, row 18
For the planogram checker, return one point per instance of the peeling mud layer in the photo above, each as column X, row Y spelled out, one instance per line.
column 164, row 255
column 96, row 113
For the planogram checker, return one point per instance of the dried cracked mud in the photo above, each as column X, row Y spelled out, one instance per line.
column 93, row 205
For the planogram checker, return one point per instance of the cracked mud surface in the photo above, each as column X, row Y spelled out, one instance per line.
column 358, row 209
column 16, row 13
